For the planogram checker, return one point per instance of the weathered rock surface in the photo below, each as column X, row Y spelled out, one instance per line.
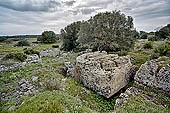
column 124, row 97
column 150, row 76
column 50, row 53
column 69, row 68
column 104, row 73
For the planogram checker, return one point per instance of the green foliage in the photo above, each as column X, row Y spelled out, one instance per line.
column 153, row 38
column 163, row 49
column 143, row 35
column 55, row 46
column 148, row 45
column 15, row 56
column 3, row 39
column 109, row 31
column 140, row 57
column 69, row 35
column 23, row 43
column 31, row 51
column 47, row 37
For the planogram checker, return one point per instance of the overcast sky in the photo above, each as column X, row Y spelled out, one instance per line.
column 35, row 16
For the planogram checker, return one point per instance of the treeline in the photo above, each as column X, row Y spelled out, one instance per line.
column 21, row 36
column 109, row 31
column 162, row 34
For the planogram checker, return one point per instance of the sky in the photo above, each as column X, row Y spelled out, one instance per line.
column 18, row 17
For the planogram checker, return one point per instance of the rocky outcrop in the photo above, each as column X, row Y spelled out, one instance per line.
column 150, row 76
column 50, row 53
column 104, row 73
column 30, row 59
column 69, row 68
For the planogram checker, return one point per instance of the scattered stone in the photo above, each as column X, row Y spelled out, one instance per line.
column 64, row 55
column 50, row 53
column 24, row 87
column 33, row 59
column 30, row 59
column 104, row 73
column 124, row 97
column 34, row 78
column 11, row 108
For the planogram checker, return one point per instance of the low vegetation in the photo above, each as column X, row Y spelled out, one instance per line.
column 31, row 51
column 23, row 43
column 15, row 56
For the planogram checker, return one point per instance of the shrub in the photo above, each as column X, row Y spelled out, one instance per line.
column 163, row 49
column 15, row 56
column 47, row 37
column 153, row 38
column 2, row 39
column 148, row 45
column 31, row 51
column 69, row 35
column 55, row 46
column 23, row 43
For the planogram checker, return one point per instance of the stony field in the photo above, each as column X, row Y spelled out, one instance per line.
column 44, row 87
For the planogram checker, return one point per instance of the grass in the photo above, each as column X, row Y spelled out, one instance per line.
column 139, row 105
column 64, row 94
column 74, row 94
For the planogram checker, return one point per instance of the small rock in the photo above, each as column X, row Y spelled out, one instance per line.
column 34, row 78
column 11, row 108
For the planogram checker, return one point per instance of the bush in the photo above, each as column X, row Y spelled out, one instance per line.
column 31, row 51
column 23, row 43
column 15, row 56
column 3, row 39
column 153, row 38
column 55, row 46
column 163, row 49
column 47, row 37
column 69, row 35
column 148, row 45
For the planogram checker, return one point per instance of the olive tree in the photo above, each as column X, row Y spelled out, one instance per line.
column 109, row 31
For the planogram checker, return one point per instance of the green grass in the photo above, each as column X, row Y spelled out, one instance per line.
column 138, row 105
column 74, row 94
column 52, row 102
column 67, row 94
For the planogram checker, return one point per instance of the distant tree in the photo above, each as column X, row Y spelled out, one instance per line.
column 143, row 35
column 47, row 37
column 163, row 33
column 69, row 35
column 3, row 39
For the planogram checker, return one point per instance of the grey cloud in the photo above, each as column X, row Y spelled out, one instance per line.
column 87, row 10
column 30, row 5
column 56, row 14
column 69, row 3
